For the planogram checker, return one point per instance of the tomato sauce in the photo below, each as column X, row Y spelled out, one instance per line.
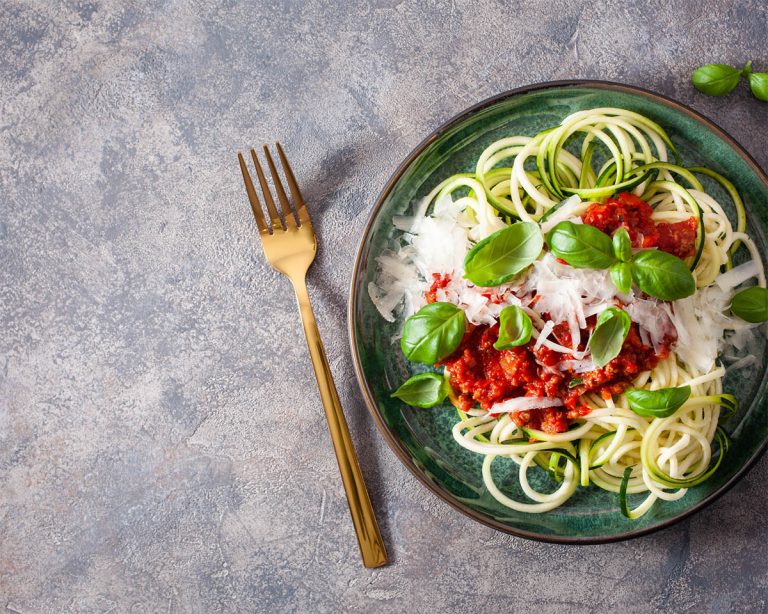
column 481, row 374
column 628, row 211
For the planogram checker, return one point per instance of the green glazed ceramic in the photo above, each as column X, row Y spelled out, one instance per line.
column 422, row 438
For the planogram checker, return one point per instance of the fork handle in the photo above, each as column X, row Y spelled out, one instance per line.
column 367, row 529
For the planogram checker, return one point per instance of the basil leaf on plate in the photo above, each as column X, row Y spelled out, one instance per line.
column 609, row 335
column 433, row 332
column 658, row 403
column 716, row 79
column 621, row 275
column 515, row 328
column 503, row 254
column 662, row 275
column 423, row 390
column 581, row 245
column 622, row 245
column 751, row 304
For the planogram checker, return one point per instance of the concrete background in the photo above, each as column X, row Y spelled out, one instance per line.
column 162, row 446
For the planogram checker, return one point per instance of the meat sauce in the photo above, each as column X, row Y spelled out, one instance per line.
column 628, row 211
column 482, row 375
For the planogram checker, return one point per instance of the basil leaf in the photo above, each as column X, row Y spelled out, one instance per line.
column 609, row 335
column 662, row 275
column 503, row 254
column 758, row 83
column 716, row 79
column 515, row 328
column 581, row 245
column 423, row 390
column 433, row 332
column 621, row 275
column 576, row 381
column 658, row 403
column 622, row 245
column 751, row 304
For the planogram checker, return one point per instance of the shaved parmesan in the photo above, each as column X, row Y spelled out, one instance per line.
column 577, row 366
column 545, row 332
column 653, row 322
column 738, row 275
column 523, row 404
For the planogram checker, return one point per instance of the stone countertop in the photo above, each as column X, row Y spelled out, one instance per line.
column 162, row 444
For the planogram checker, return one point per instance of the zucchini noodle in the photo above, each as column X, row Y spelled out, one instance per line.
column 556, row 175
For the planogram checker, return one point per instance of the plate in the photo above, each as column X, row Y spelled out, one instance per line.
column 421, row 438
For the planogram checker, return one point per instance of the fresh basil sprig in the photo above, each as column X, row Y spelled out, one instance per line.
column 621, row 275
column 658, row 403
column 751, row 304
column 716, row 79
column 662, row 275
column 721, row 79
column 608, row 337
column 433, row 332
column 581, row 245
column 423, row 390
column 657, row 273
column 503, row 254
column 515, row 328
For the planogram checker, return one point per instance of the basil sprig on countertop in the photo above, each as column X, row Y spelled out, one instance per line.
column 658, row 403
column 515, row 328
column 721, row 79
column 503, row 254
column 751, row 304
column 423, row 390
column 608, row 337
column 656, row 273
column 432, row 333
column 758, row 83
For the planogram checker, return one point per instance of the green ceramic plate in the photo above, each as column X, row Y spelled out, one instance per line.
column 422, row 438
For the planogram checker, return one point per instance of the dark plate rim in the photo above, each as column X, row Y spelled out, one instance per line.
column 394, row 443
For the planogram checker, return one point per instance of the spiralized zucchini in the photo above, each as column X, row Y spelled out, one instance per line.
column 612, row 447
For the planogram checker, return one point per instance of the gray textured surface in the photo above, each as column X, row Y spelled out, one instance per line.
column 162, row 446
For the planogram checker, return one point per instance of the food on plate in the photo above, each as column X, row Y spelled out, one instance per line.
column 578, row 299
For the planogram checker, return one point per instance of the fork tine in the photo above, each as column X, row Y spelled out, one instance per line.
column 252, row 198
column 273, row 214
column 288, row 215
column 298, row 201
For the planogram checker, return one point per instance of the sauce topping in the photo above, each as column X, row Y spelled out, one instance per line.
column 628, row 211
column 481, row 374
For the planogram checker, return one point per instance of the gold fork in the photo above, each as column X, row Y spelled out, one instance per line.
column 290, row 246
